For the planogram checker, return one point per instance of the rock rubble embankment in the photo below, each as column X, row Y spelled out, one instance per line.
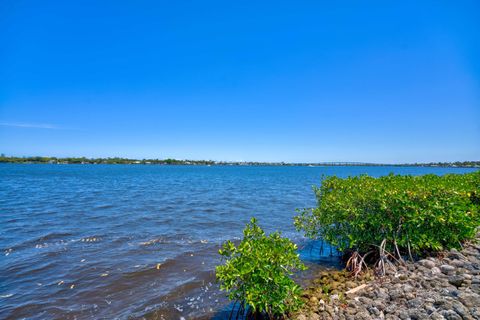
column 444, row 287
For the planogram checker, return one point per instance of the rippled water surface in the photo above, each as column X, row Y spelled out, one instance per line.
column 115, row 241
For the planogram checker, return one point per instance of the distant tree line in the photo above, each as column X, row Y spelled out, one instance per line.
column 168, row 161
column 115, row 160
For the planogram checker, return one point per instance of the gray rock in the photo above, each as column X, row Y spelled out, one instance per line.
column 466, row 283
column 365, row 301
column 417, row 314
column 430, row 299
column 475, row 288
column 351, row 311
column 456, row 280
column 402, row 314
column 458, row 263
column 429, row 289
column 396, row 294
column 447, row 269
column 444, row 292
column 436, row 316
column 475, row 312
column 435, row 271
column 429, row 308
column 382, row 296
column 379, row 304
column 313, row 316
column 454, row 293
column 363, row 315
column 454, row 254
column 450, row 315
column 390, row 308
column 461, row 310
column 427, row 263
column 415, row 303
column 409, row 296
column 469, row 299
column 374, row 311
column 408, row 288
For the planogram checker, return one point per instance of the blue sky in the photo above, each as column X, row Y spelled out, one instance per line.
column 377, row 81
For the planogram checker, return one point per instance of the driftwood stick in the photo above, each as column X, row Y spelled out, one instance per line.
column 356, row 289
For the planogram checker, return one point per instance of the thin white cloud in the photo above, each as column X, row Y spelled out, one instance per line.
column 28, row 125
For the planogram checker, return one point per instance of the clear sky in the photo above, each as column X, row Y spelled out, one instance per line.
column 377, row 81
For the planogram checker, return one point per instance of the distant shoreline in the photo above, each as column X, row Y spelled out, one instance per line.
column 83, row 160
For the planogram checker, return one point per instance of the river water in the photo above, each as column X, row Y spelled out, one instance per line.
column 141, row 241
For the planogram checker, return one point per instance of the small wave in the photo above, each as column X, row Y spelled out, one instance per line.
column 178, row 239
column 181, row 241
column 91, row 239
column 25, row 269
column 104, row 206
column 153, row 241
column 196, row 296
column 55, row 235
column 41, row 242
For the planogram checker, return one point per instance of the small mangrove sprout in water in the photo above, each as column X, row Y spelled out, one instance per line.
column 256, row 274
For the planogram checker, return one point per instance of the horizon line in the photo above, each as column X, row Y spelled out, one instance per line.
column 243, row 161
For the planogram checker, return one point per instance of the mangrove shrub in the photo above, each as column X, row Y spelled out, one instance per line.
column 407, row 214
column 256, row 273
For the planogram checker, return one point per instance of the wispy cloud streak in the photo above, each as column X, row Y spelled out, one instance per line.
column 28, row 125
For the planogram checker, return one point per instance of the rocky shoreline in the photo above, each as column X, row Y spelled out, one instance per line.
column 443, row 287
